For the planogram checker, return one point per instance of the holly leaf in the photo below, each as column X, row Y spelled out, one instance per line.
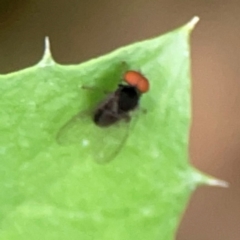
column 52, row 185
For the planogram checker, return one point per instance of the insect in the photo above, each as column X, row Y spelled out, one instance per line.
column 105, row 130
column 120, row 103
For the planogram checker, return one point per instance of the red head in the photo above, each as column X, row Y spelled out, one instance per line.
column 136, row 79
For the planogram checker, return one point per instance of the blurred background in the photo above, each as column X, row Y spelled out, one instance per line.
column 80, row 30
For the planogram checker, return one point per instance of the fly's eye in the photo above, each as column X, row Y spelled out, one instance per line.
column 137, row 80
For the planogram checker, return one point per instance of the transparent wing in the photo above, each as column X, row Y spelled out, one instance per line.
column 103, row 143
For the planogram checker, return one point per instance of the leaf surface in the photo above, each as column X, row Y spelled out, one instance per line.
column 58, row 191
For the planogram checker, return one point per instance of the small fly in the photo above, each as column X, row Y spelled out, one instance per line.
column 107, row 130
column 120, row 103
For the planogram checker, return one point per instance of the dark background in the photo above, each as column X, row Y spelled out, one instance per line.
column 80, row 30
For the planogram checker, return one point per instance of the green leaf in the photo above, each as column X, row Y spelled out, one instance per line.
column 52, row 185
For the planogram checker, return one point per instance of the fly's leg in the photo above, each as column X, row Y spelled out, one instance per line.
column 125, row 116
column 94, row 88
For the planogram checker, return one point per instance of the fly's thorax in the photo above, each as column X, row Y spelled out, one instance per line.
column 128, row 98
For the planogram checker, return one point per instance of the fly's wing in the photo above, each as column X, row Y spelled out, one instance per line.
column 103, row 143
